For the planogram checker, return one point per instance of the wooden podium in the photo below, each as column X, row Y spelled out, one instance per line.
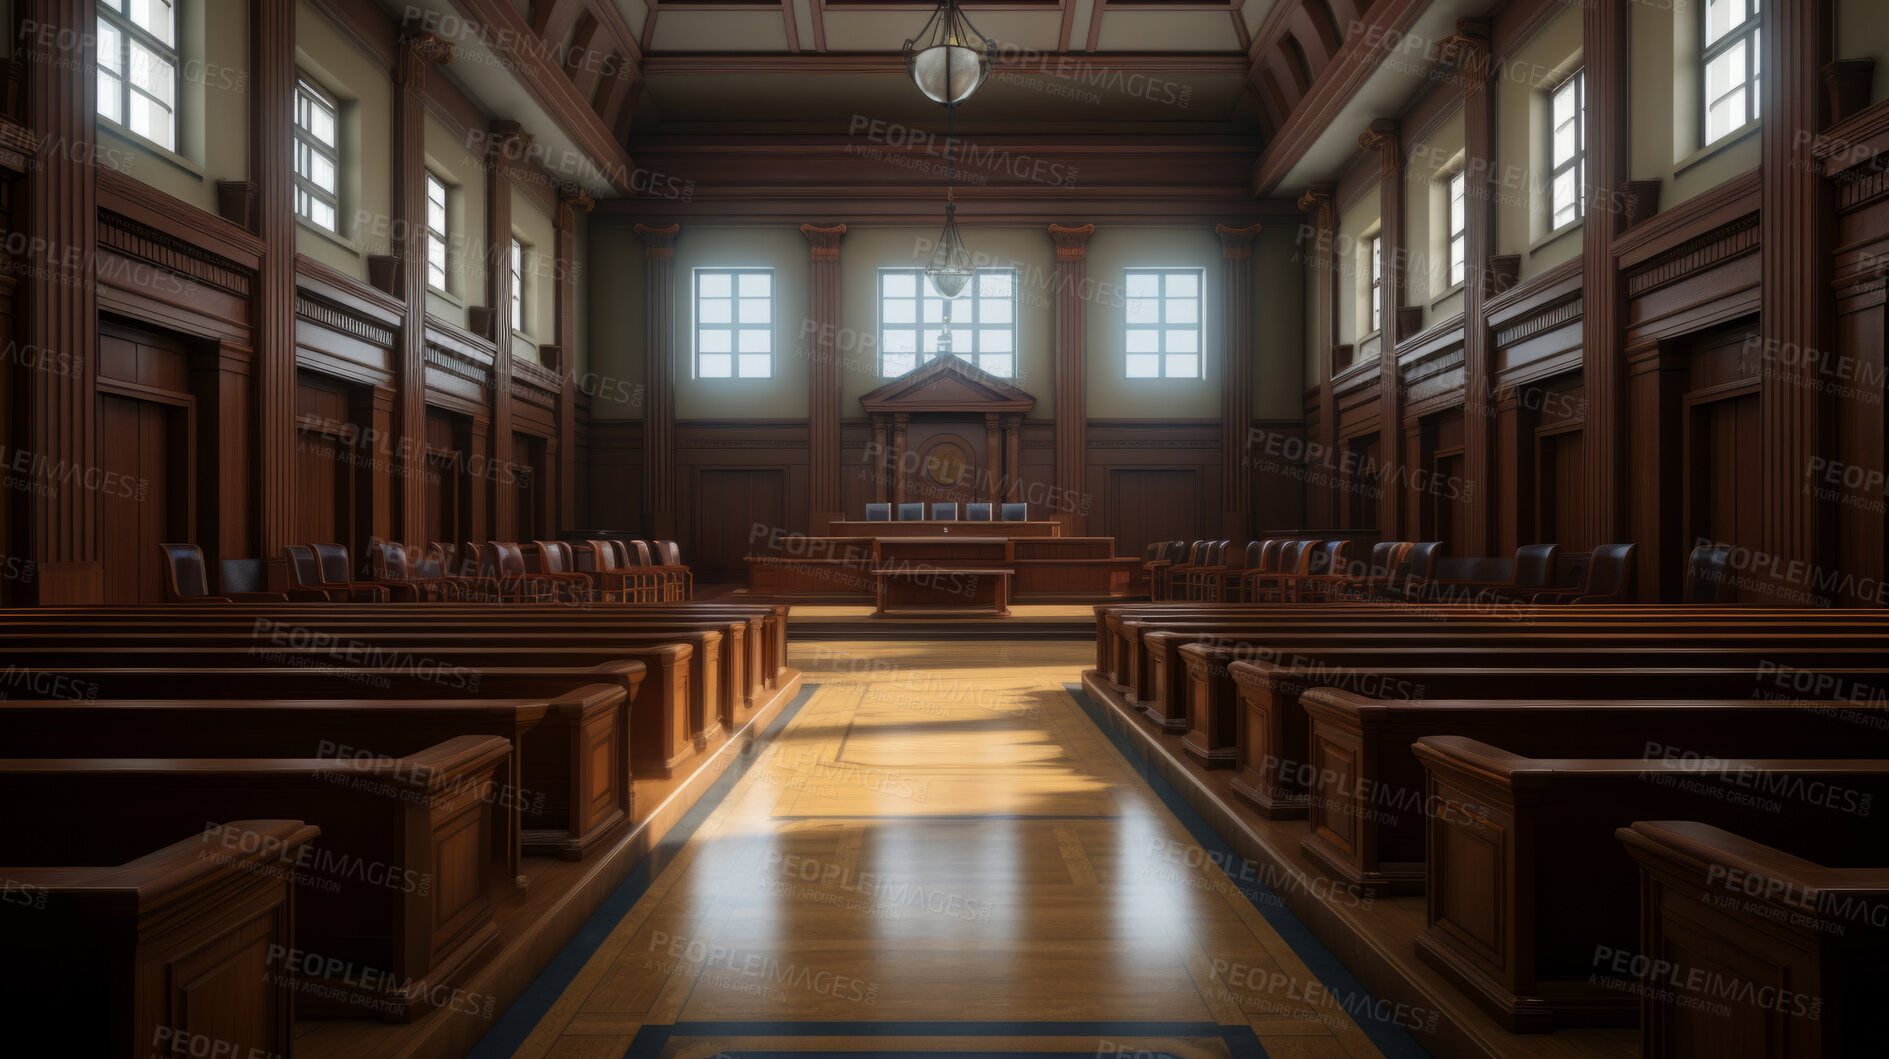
column 942, row 577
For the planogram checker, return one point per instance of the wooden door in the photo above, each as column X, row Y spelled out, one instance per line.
column 1154, row 505
column 737, row 508
column 1723, row 503
column 143, row 486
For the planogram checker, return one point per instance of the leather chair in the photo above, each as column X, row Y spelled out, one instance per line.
column 1193, row 580
column 1276, row 585
column 337, row 571
column 1166, row 554
column 242, row 578
column 878, row 512
column 305, row 571
column 1377, row 570
column 387, row 564
column 911, row 512
column 186, row 579
column 1609, row 579
column 944, row 512
column 1708, row 575
column 1224, row 584
column 503, row 562
column 1016, row 513
column 977, row 512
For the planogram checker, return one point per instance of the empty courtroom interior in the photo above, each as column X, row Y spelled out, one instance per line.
column 1322, row 529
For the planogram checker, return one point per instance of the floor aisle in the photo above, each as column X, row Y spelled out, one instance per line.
column 939, row 852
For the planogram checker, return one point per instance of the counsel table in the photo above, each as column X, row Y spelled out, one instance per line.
column 1039, row 567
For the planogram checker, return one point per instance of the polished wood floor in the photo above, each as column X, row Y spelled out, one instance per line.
column 940, row 852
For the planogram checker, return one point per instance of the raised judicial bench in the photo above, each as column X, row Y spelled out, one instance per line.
column 1045, row 566
column 1529, row 887
column 567, row 786
column 718, row 662
column 1195, row 693
column 406, row 845
column 1800, row 942
column 1366, row 787
column 1274, row 734
column 144, row 953
column 663, row 720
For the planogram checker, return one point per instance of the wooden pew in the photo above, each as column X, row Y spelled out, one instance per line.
column 717, row 663
column 1274, row 734
column 661, row 723
column 560, row 757
column 406, row 846
column 567, row 786
column 1528, row 888
column 771, row 647
column 162, row 953
column 1194, row 692
column 1366, row 787
column 1748, row 952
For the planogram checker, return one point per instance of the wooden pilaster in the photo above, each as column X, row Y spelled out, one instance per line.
column 993, row 455
column 505, row 141
column 571, row 202
column 1236, row 399
column 1316, row 241
column 1072, row 415
column 58, row 306
column 1795, row 315
column 1383, row 137
column 417, row 53
column 271, row 167
column 823, row 419
column 1604, row 437
column 1470, row 48
column 659, row 399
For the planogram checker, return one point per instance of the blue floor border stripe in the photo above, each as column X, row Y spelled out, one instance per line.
column 1334, row 976
column 510, row 1031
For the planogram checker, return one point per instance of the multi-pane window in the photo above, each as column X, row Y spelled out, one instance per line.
column 734, row 323
column 1163, row 314
column 435, row 232
column 518, row 285
column 1568, row 150
column 317, row 155
column 1374, row 248
column 1459, row 227
column 1730, row 60
column 137, row 67
column 916, row 323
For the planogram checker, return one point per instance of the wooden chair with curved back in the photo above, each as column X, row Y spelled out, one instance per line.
column 1609, row 579
column 503, row 563
column 1275, row 585
column 1708, row 575
column 388, row 564
column 305, row 572
column 616, row 580
column 669, row 555
column 555, row 559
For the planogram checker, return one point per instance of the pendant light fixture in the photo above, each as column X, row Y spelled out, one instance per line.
column 949, row 58
column 950, row 267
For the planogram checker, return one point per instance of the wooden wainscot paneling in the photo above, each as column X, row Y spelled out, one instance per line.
column 1855, row 416
column 1355, row 395
column 739, row 478
column 534, row 392
column 1694, row 266
column 614, row 461
column 1154, row 480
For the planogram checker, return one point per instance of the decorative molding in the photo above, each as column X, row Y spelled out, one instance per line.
column 417, row 52
column 454, row 362
column 1732, row 240
column 1468, row 50
column 1546, row 319
column 1861, row 184
column 1382, row 136
column 507, row 142
column 1317, row 200
column 328, row 314
column 1072, row 242
column 166, row 251
column 18, row 144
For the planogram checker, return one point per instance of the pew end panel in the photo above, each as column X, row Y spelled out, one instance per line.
column 1212, row 736
column 1763, row 955
column 1271, row 736
column 180, row 945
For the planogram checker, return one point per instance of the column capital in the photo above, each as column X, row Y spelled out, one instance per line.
column 419, row 50
column 572, row 201
column 1468, row 49
column 1382, row 136
column 658, row 242
column 507, row 141
column 825, row 240
column 1072, row 243
column 1236, row 243
column 1317, row 201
